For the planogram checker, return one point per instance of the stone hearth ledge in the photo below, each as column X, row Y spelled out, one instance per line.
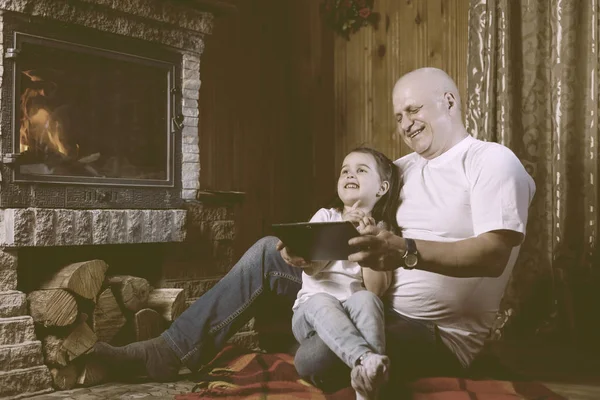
column 42, row 227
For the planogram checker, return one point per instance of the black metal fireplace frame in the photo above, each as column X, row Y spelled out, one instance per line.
column 81, row 192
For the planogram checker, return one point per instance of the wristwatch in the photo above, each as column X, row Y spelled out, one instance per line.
column 411, row 256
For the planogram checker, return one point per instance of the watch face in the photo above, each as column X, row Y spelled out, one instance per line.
column 411, row 260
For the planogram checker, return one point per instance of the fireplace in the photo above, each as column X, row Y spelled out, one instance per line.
column 94, row 120
column 88, row 115
column 99, row 146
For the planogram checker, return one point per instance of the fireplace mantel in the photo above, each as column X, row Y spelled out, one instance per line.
column 218, row 7
column 46, row 227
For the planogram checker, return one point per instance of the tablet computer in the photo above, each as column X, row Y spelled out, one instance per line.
column 324, row 241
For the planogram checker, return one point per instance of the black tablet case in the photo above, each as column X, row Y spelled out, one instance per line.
column 324, row 241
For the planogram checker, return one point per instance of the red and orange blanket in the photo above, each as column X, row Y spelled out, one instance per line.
column 236, row 374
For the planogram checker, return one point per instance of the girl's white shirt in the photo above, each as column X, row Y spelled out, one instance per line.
column 339, row 278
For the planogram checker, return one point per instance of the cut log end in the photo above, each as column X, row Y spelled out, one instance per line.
column 130, row 291
column 80, row 340
column 82, row 278
column 54, row 307
column 108, row 318
column 169, row 303
column 147, row 324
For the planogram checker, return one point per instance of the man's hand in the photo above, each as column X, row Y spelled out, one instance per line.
column 379, row 249
column 289, row 257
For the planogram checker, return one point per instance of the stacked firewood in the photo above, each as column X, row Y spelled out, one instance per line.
column 79, row 305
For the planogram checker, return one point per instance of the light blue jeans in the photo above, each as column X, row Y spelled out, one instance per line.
column 350, row 328
column 202, row 330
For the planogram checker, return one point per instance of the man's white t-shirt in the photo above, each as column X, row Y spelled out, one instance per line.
column 339, row 278
column 473, row 188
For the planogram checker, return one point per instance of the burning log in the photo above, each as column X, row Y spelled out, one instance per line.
column 53, row 307
column 64, row 378
column 132, row 292
column 108, row 318
column 147, row 324
column 89, row 159
column 169, row 303
column 83, row 278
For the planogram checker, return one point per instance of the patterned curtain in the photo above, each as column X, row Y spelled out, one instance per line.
column 533, row 86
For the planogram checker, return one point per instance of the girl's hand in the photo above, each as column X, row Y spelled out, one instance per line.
column 289, row 257
column 364, row 222
column 354, row 216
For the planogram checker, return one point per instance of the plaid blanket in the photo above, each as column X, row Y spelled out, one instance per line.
column 237, row 374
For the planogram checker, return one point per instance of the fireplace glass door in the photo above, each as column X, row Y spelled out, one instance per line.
column 91, row 116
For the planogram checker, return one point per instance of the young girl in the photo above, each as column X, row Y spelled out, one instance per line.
column 339, row 299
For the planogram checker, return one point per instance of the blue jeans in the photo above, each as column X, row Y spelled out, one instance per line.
column 350, row 329
column 202, row 330
column 413, row 346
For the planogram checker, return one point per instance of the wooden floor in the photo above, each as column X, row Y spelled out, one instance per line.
column 166, row 391
column 575, row 391
column 572, row 373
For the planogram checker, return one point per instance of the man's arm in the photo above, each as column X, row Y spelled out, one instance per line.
column 485, row 255
column 500, row 195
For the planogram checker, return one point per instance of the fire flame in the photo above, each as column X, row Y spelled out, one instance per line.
column 39, row 127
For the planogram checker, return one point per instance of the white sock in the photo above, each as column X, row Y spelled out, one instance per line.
column 367, row 377
column 377, row 367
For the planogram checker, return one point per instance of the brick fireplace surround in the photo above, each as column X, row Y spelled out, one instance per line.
column 198, row 231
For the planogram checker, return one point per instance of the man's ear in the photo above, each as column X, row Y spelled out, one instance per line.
column 450, row 100
column 383, row 189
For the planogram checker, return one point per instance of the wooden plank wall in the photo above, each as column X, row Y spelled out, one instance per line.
column 282, row 100
column 266, row 112
column 411, row 34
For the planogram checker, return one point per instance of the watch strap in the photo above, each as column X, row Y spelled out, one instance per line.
column 411, row 256
column 411, row 246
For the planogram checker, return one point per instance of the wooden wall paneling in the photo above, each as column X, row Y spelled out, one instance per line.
column 243, row 112
column 411, row 34
column 266, row 113
column 311, row 143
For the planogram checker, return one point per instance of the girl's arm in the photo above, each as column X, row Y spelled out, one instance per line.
column 377, row 282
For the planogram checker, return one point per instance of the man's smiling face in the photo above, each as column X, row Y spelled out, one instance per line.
column 423, row 116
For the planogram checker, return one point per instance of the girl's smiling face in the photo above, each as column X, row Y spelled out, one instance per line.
column 360, row 181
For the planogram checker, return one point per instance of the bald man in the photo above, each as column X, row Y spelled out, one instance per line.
column 463, row 213
column 463, row 216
